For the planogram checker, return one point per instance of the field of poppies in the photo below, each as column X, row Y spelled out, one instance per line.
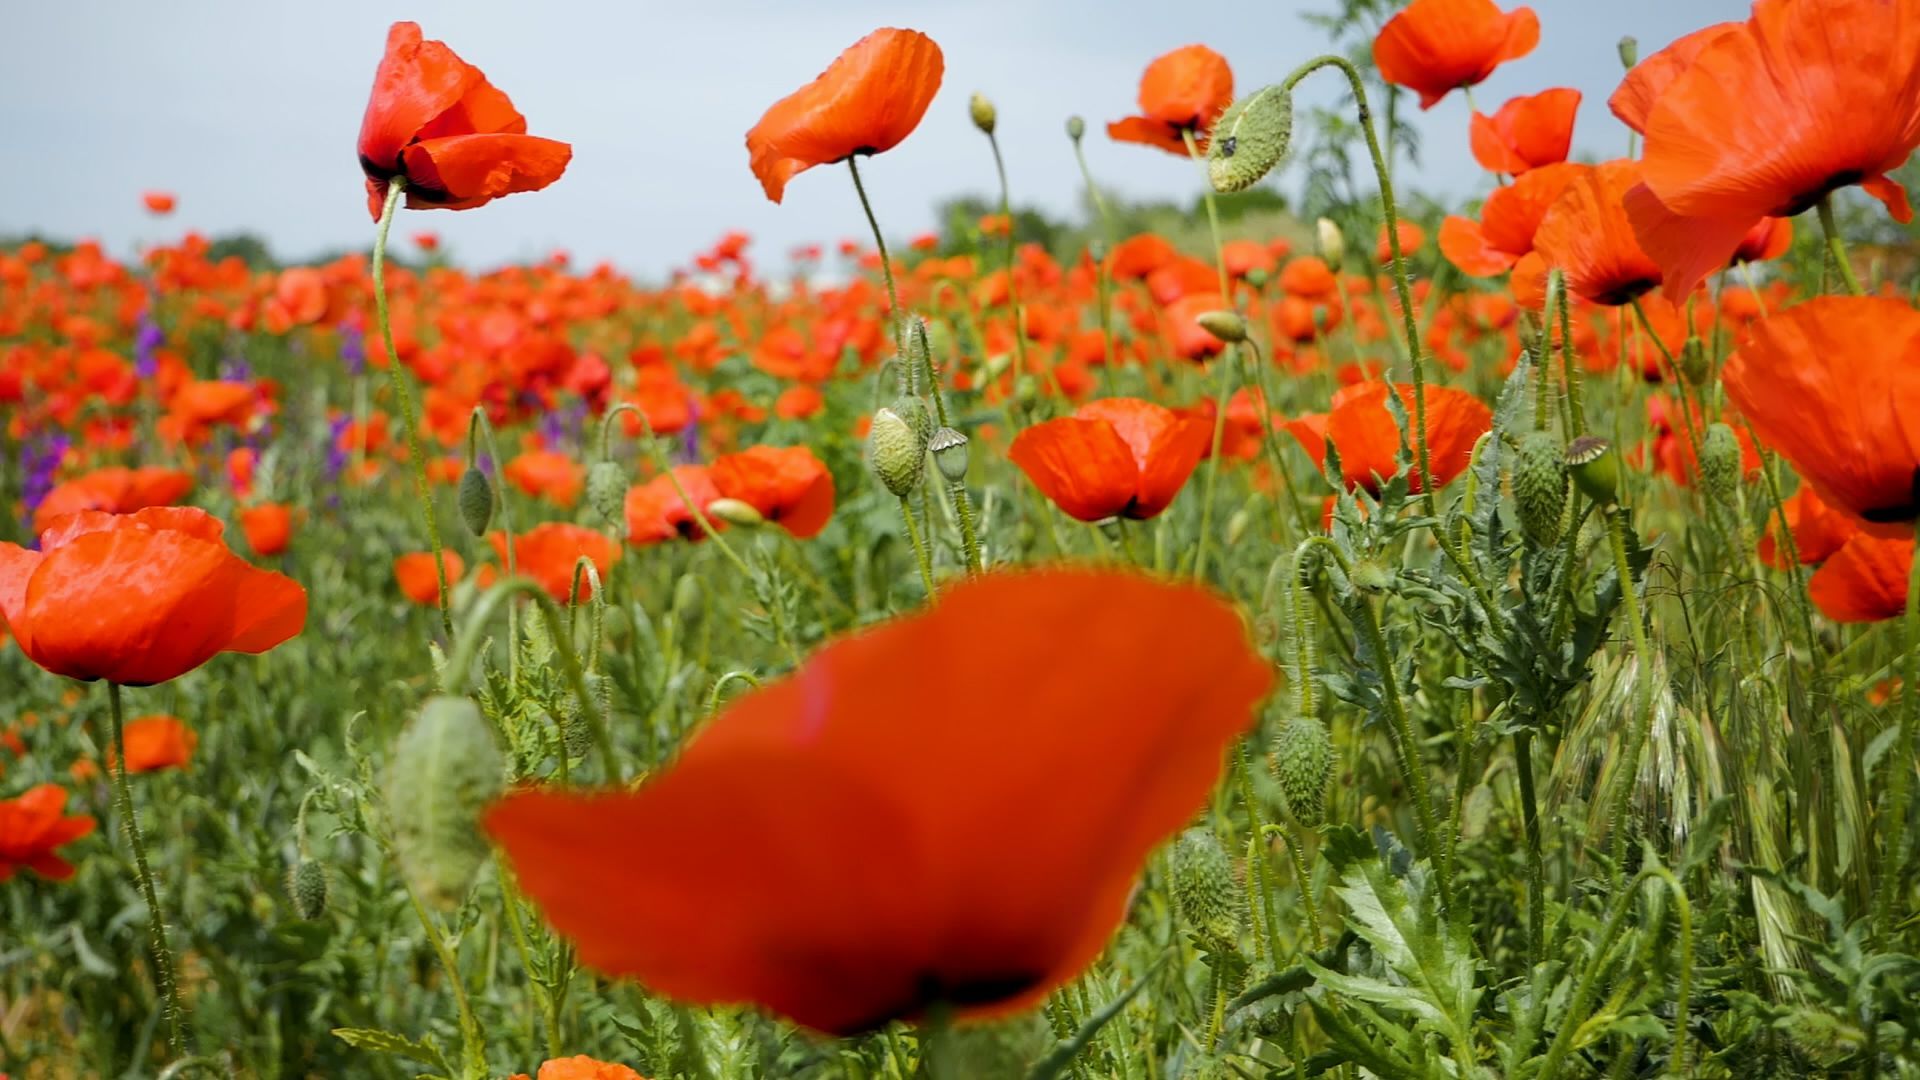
column 1417, row 641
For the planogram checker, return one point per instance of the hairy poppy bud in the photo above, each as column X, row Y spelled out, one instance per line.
column 444, row 770
column 1331, row 241
column 1076, row 127
column 1540, row 485
column 949, row 448
column 476, row 501
column 916, row 353
column 982, row 112
column 1693, row 360
column 1303, row 764
column 1719, row 462
column 607, row 492
column 896, row 452
column 1595, row 467
column 1228, row 326
column 1629, row 52
column 307, row 889
column 1250, row 138
column 1372, row 576
column 1203, row 884
column 735, row 512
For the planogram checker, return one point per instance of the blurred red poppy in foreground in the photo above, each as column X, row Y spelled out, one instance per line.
column 869, row 99
column 548, row 553
column 1368, row 440
column 1865, row 581
column 115, row 490
column 32, row 827
column 434, row 120
column 141, row 598
column 1834, row 385
column 786, row 485
column 949, row 810
column 1437, row 46
column 1527, row 132
column 1116, row 457
column 157, row 742
column 1181, row 94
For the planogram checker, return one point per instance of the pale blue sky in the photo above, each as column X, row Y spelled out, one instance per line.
column 249, row 110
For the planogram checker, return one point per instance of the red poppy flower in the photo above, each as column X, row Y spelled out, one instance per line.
column 427, row 241
column 419, row 581
column 1818, row 530
column 1865, row 581
column 1013, row 825
column 1833, row 384
column 1412, row 239
column 1769, row 239
column 870, row 98
column 787, row 485
column 1527, row 132
column 1587, row 235
column 1309, row 278
column 32, row 829
column 1508, row 222
column 1437, row 46
column 268, row 527
column 1634, row 99
column 436, row 121
column 1116, row 457
column 549, row 551
column 115, row 490
column 655, row 511
column 582, row 1068
column 1364, row 432
column 549, row 474
column 1245, row 257
column 1181, row 94
column 155, row 743
column 159, row 203
column 1136, row 257
column 141, row 598
column 1806, row 97
column 1189, row 340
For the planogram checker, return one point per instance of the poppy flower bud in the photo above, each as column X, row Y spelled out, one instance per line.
column 607, row 492
column 1303, row 764
column 1693, row 360
column 915, row 353
column 735, row 512
column 476, row 501
column 444, row 770
column 1203, row 884
column 1237, row 525
column 1228, row 326
column 1595, row 467
column 982, row 112
column 896, row 452
column 307, row 889
column 1719, row 462
column 1371, row 576
column 949, row 448
column 1540, row 486
column 1332, row 242
column 1076, row 127
column 1250, row 138
column 687, row 598
column 1629, row 52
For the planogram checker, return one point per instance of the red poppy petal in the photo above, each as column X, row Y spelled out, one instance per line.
column 460, row 172
column 1465, row 245
column 1147, row 132
column 17, row 564
column 1891, row 193
column 272, row 609
column 1866, row 581
column 1490, row 148
column 1176, row 451
column 1083, row 466
column 416, row 81
column 1688, row 249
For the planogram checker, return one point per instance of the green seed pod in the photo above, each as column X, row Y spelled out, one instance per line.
column 476, row 501
column 1249, row 139
column 1693, row 360
column 1228, row 326
column 1595, row 467
column 734, row 512
column 915, row 412
column 1076, row 127
column 1331, row 241
column 949, row 448
column 982, row 112
column 896, row 453
column 1203, row 884
column 1540, row 485
column 307, row 889
column 1303, row 764
column 444, row 770
column 1629, row 52
column 1719, row 462
column 607, row 492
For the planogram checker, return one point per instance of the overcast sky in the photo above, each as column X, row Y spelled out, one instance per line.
column 248, row 110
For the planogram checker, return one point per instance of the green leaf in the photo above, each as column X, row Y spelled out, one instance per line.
column 423, row 1051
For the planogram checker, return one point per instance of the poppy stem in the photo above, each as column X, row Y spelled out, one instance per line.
column 1221, row 398
column 919, row 547
column 1893, row 875
column 478, row 421
column 404, row 398
column 1213, row 217
column 1013, row 287
column 1576, row 411
column 1642, row 689
column 1837, row 245
column 879, row 241
column 158, row 949
column 699, row 512
column 1100, row 264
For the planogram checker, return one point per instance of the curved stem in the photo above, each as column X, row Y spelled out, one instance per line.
column 472, row 1043
column 158, row 950
column 699, row 512
column 1106, row 227
column 880, row 242
column 1013, row 288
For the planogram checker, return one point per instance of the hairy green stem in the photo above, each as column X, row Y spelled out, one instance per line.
column 1837, row 245
column 158, row 950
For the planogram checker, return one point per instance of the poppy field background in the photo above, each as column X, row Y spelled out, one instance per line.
column 1316, row 626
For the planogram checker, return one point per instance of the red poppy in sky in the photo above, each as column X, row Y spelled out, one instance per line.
column 870, row 98
column 155, row 743
column 1804, row 98
column 159, row 203
column 1182, row 93
column 1437, row 46
column 1508, row 223
column 141, row 598
column 548, row 553
column 419, row 581
column 1587, row 235
column 1363, row 431
column 1527, row 132
column 268, row 527
column 1865, row 581
column 1115, row 457
column 1833, row 384
column 655, row 511
column 32, row 829
column 115, row 490
column 434, row 120
column 1013, row 825
column 787, row 485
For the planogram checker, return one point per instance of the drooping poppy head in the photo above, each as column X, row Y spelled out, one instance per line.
column 1527, row 132
column 141, row 598
column 550, row 551
column 1508, row 223
column 1115, row 457
column 1833, row 384
column 1434, row 47
column 1181, row 94
column 418, row 578
column 656, row 512
column 1865, row 581
column 114, row 490
column 435, row 121
column 1368, row 440
column 1011, row 814
column 1587, row 235
column 33, row 827
column 268, row 528
column 869, row 99
column 156, row 743
column 788, row 485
